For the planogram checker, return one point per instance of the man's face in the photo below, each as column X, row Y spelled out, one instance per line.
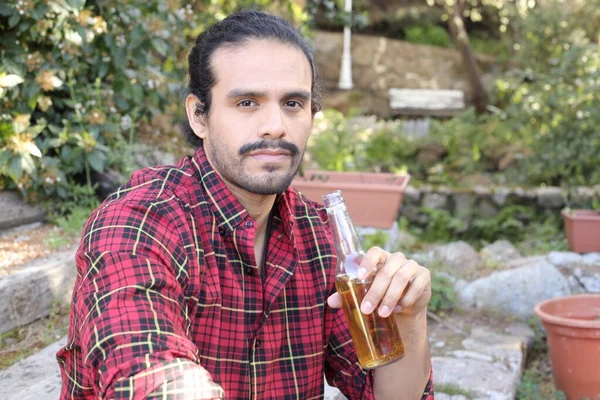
column 260, row 117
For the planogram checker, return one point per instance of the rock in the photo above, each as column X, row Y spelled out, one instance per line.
column 564, row 258
column 14, row 211
column 435, row 201
column 499, row 197
column 550, row 197
column 588, row 278
column 412, row 195
column 487, row 380
column 444, row 396
column 487, row 208
column 36, row 377
column 516, row 291
column 400, row 241
column 591, row 259
column 498, row 253
column 30, row 293
column 459, row 256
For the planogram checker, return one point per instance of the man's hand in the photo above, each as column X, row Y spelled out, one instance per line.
column 399, row 285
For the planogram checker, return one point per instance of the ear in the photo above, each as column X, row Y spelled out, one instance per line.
column 197, row 120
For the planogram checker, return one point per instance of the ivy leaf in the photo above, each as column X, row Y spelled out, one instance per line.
column 5, row 9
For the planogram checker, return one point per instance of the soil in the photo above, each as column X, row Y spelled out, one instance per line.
column 19, row 246
column 21, row 342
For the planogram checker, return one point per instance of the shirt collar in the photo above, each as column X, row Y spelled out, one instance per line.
column 227, row 209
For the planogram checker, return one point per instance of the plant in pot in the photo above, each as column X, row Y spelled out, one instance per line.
column 572, row 325
column 582, row 225
column 356, row 155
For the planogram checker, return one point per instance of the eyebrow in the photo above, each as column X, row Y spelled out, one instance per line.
column 237, row 93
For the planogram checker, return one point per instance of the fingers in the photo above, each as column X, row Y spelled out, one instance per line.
column 373, row 259
column 389, row 284
column 417, row 294
column 335, row 300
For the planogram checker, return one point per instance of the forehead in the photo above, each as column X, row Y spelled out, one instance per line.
column 264, row 64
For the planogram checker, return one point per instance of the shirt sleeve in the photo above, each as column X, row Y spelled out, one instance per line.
column 342, row 369
column 130, row 326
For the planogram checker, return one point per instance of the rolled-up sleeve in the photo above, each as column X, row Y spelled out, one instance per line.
column 129, row 335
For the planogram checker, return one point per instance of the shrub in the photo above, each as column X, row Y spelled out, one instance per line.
column 433, row 35
column 553, row 98
column 77, row 78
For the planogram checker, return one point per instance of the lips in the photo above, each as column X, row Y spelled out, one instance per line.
column 271, row 155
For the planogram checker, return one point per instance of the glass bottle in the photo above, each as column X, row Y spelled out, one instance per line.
column 376, row 339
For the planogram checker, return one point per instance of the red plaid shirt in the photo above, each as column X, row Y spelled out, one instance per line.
column 168, row 301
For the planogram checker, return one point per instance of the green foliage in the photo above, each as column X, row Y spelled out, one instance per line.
column 379, row 239
column 353, row 143
column 443, row 295
column 452, row 389
column 532, row 387
column 77, row 78
column 433, row 35
column 552, row 100
column 441, row 226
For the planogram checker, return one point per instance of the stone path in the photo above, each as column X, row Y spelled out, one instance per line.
column 473, row 354
column 476, row 355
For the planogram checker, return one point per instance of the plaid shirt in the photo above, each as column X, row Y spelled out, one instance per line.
column 168, row 302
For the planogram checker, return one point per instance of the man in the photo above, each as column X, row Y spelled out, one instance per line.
column 213, row 278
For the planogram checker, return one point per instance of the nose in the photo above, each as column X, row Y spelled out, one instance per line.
column 272, row 124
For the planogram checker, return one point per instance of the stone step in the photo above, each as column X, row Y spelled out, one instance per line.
column 35, row 378
column 15, row 212
column 484, row 361
column 30, row 292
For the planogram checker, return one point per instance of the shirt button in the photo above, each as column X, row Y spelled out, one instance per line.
column 249, row 271
column 257, row 343
column 248, row 224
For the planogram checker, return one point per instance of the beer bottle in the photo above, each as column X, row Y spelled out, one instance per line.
column 376, row 339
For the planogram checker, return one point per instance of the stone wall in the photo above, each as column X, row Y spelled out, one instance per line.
column 380, row 63
column 487, row 202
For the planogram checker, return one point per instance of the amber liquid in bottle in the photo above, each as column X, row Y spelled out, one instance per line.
column 377, row 340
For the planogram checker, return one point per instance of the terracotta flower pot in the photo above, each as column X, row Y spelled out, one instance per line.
column 582, row 228
column 373, row 199
column 573, row 327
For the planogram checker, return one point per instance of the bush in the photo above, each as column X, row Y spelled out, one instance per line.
column 433, row 35
column 553, row 98
column 77, row 78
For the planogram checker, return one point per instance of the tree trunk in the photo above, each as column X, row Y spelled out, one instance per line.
column 461, row 39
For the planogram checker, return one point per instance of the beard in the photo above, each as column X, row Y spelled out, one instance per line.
column 271, row 179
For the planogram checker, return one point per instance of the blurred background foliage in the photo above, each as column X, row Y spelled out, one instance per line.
column 80, row 79
column 82, row 82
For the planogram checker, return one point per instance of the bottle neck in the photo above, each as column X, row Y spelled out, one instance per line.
column 344, row 235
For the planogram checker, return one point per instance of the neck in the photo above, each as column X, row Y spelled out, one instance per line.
column 258, row 206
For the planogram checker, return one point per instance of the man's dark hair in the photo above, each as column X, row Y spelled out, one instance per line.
column 234, row 30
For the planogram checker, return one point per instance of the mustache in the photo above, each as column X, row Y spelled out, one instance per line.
column 269, row 144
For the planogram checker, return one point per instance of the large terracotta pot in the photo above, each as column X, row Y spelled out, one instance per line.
column 573, row 327
column 582, row 228
column 373, row 199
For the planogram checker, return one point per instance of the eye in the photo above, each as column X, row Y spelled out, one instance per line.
column 247, row 103
column 294, row 104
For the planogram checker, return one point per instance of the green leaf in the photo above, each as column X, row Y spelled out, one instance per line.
column 97, row 160
column 32, row 149
column 15, row 170
column 103, row 69
column 11, row 80
column 160, row 46
column 5, row 9
column 32, row 102
column 120, row 57
column 27, row 163
column 14, row 20
column 76, row 4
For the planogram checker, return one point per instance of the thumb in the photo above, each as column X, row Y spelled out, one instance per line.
column 335, row 300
